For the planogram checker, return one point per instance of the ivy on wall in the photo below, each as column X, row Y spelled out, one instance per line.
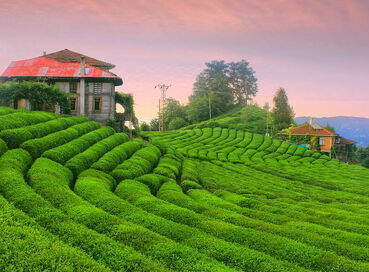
column 126, row 101
column 41, row 96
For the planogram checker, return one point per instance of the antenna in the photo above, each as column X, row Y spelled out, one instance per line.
column 162, row 104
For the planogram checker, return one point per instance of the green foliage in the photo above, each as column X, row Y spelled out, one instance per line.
column 154, row 124
column 23, row 118
column 63, row 153
column 15, row 137
column 36, row 147
column 209, row 199
column 116, row 156
column 141, row 162
column 144, row 127
column 3, row 147
column 282, row 111
column 85, row 159
column 28, row 247
column 177, row 123
column 40, row 95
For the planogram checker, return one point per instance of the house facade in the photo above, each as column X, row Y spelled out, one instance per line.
column 330, row 142
column 89, row 81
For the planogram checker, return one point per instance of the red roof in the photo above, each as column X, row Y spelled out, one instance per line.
column 46, row 67
column 67, row 55
column 309, row 129
column 346, row 141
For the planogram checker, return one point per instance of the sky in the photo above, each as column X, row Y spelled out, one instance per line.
column 318, row 50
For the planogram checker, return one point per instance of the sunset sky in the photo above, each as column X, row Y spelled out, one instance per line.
column 317, row 50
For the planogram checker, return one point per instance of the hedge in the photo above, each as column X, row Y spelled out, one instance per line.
column 14, row 188
column 96, row 190
column 21, row 119
column 265, row 241
column 116, row 156
column 53, row 181
column 6, row 110
column 84, row 160
column 38, row 146
column 28, row 247
column 3, row 147
column 63, row 153
column 141, row 162
column 15, row 137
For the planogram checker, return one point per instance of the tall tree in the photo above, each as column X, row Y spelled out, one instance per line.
column 282, row 112
column 173, row 109
column 242, row 82
column 213, row 84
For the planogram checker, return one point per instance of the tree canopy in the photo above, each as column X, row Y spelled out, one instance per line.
column 220, row 87
column 282, row 112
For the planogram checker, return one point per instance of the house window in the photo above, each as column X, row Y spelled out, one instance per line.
column 73, row 87
column 322, row 141
column 73, row 103
column 338, row 140
column 97, row 88
column 97, row 103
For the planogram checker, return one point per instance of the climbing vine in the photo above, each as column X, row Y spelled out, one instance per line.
column 41, row 96
column 126, row 101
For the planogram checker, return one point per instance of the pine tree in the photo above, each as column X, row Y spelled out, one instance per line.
column 282, row 111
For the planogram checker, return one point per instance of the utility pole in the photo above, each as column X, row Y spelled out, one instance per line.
column 267, row 130
column 162, row 103
column 209, row 106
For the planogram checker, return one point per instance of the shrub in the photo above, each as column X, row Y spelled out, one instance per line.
column 63, row 153
column 15, row 137
column 38, row 146
column 116, row 156
column 84, row 160
column 20, row 119
column 189, row 184
column 3, row 147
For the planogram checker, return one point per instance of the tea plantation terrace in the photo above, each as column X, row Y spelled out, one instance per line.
column 75, row 196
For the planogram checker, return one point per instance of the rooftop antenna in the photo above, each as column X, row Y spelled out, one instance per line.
column 162, row 104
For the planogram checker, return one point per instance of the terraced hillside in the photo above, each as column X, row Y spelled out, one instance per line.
column 77, row 197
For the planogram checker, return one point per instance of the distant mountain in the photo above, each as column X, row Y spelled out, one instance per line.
column 353, row 128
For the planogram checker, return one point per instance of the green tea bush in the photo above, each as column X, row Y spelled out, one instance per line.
column 38, row 146
column 156, row 247
column 15, row 137
column 63, row 153
column 116, row 156
column 189, row 184
column 30, row 247
column 3, row 147
column 299, row 151
column 6, row 110
column 84, row 160
column 21, row 119
column 141, row 162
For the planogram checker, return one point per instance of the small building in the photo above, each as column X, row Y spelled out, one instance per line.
column 89, row 81
column 330, row 142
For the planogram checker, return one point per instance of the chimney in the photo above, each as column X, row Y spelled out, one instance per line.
column 44, row 53
column 311, row 121
column 82, row 71
column 82, row 89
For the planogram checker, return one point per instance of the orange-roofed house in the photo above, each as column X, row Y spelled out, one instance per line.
column 88, row 81
column 327, row 139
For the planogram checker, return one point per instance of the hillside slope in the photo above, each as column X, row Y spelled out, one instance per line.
column 353, row 128
column 251, row 118
column 78, row 197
